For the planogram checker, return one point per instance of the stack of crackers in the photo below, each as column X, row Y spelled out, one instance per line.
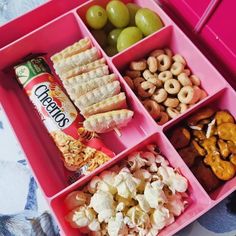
column 91, row 87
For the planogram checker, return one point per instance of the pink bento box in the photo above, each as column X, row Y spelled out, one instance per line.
column 59, row 23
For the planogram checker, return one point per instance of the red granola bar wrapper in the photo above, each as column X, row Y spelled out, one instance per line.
column 80, row 149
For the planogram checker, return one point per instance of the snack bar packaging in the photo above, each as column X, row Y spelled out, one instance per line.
column 80, row 149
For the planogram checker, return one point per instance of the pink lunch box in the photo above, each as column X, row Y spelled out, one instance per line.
column 58, row 23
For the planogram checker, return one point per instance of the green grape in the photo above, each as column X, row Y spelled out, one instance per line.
column 96, row 17
column 128, row 37
column 118, row 13
column 133, row 8
column 100, row 36
column 111, row 51
column 113, row 36
column 147, row 21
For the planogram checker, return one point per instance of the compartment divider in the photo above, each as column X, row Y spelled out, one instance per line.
column 138, row 50
column 144, row 42
column 142, row 108
column 113, row 67
column 195, row 107
column 108, row 164
column 88, row 33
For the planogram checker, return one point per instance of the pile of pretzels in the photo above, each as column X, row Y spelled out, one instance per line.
column 164, row 84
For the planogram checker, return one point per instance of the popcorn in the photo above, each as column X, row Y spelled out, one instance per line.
column 120, row 206
column 83, row 216
column 103, row 204
column 154, row 196
column 107, row 182
column 136, row 161
column 130, row 199
column 175, row 181
column 126, row 184
column 138, row 217
column 143, row 203
column 116, row 226
column 94, row 225
column 159, row 217
column 175, row 204
column 92, row 186
column 75, row 199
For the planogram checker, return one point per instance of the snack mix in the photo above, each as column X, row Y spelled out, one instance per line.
column 164, row 84
column 207, row 144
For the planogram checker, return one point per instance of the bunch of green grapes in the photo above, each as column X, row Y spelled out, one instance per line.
column 121, row 25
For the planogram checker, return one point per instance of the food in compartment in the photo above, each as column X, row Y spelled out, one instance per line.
column 60, row 116
column 99, row 123
column 164, row 84
column 124, row 24
column 95, row 92
column 116, row 102
column 78, row 155
column 207, row 144
column 96, row 17
column 140, row 196
column 147, row 21
column 128, row 37
column 76, row 60
column 118, row 13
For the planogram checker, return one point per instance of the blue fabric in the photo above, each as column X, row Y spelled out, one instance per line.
column 214, row 220
column 10, row 9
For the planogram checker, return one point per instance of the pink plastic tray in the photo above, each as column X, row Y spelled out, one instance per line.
column 210, row 24
column 43, row 156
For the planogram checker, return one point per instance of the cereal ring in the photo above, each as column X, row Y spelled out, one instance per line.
column 129, row 81
column 160, row 95
column 163, row 118
column 137, row 81
column 168, row 52
column 142, row 93
column 138, row 65
column 152, row 64
column 172, row 86
column 172, row 112
column 186, row 95
column 187, row 72
column 179, row 58
column 147, row 85
column 176, row 68
column 146, row 89
column 203, row 94
column 182, row 107
column 156, row 53
column 147, row 74
column 195, row 80
column 165, row 75
column 184, row 79
column 133, row 74
column 152, row 107
column 155, row 81
column 164, row 62
column 171, row 102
